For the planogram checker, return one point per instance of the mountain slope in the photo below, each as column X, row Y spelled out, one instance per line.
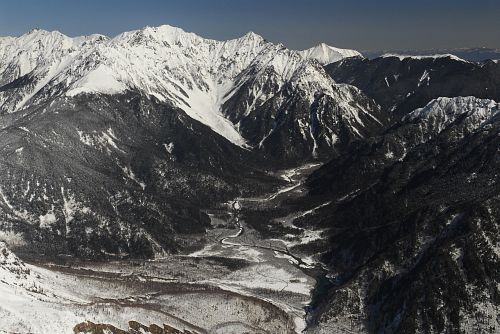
column 412, row 225
column 30, row 62
column 401, row 84
column 112, row 146
column 114, row 176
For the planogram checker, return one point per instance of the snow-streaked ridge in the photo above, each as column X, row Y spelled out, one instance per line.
column 195, row 74
column 39, row 56
column 444, row 110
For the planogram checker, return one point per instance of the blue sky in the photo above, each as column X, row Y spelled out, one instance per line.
column 359, row 24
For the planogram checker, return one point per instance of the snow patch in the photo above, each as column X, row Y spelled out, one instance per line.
column 425, row 77
column 48, row 219
column 130, row 174
column 169, row 147
column 99, row 80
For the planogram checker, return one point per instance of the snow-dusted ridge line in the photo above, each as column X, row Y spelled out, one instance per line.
column 419, row 57
column 456, row 106
column 443, row 111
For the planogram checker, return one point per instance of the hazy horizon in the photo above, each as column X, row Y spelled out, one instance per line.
column 364, row 25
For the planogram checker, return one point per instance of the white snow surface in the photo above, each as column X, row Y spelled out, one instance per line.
column 327, row 54
column 195, row 74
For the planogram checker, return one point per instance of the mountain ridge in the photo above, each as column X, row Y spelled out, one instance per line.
column 200, row 76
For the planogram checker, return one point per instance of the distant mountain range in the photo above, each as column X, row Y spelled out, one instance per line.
column 471, row 54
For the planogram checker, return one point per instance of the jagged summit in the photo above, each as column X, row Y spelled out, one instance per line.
column 252, row 35
column 165, row 33
column 173, row 35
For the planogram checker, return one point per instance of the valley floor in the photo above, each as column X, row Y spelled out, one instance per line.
column 238, row 283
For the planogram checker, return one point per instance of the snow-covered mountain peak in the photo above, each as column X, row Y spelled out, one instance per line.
column 39, row 38
column 195, row 74
column 165, row 34
column 21, row 55
column 327, row 54
column 252, row 36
